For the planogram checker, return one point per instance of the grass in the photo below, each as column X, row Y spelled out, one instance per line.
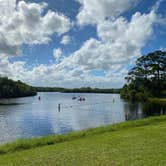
column 131, row 143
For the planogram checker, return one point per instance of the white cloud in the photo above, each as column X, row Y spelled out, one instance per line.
column 25, row 23
column 66, row 40
column 119, row 42
column 57, row 53
column 96, row 11
column 14, row 70
column 53, row 75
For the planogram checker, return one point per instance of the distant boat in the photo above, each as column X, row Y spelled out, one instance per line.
column 73, row 98
column 81, row 99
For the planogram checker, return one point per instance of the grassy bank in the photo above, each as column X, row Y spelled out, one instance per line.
column 131, row 143
column 54, row 139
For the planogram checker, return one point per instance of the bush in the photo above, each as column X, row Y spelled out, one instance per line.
column 154, row 107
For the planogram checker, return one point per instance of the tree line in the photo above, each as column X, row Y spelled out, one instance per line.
column 77, row 90
column 12, row 89
column 147, row 78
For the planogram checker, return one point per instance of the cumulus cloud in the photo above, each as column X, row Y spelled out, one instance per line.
column 96, row 11
column 66, row 40
column 54, row 75
column 14, row 70
column 26, row 23
column 57, row 53
column 119, row 41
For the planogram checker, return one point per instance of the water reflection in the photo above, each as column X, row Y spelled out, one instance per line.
column 133, row 110
column 154, row 107
column 41, row 117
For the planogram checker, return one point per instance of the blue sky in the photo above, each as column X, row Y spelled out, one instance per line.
column 94, row 55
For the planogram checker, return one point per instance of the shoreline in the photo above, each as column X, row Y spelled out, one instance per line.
column 25, row 144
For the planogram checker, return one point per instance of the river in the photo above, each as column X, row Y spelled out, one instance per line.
column 30, row 117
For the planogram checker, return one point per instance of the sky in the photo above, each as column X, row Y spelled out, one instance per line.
column 78, row 43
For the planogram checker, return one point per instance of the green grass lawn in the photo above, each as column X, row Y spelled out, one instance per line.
column 141, row 143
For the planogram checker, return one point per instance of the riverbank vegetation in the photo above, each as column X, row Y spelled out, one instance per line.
column 76, row 90
column 10, row 88
column 154, row 106
column 135, row 142
column 147, row 79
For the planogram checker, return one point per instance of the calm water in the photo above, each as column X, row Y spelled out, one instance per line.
column 29, row 117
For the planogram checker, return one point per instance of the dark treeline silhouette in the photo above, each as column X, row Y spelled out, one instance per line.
column 12, row 89
column 147, row 78
column 77, row 90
